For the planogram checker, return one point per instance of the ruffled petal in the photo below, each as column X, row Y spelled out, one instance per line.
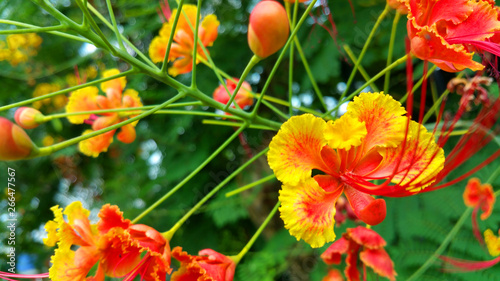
column 366, row 237
column 308, row 211
column 94, row 146
column 477, row 194
column 383, row 119
column 334, row 253
column 345, row 132
column 296, row 150
column 479, row 25
column 120, row 254
column 82, row 100
column 157, row 48
column 110, row 217
column 66, row 267
column 379, row 261
column 209, row 30
column 117, row 84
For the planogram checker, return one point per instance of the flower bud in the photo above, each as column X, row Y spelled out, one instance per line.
column 243, row 97
column 268, row 29
column 26, row 117
column 15, row 144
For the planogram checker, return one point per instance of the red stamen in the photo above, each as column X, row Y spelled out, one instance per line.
column 459, row 265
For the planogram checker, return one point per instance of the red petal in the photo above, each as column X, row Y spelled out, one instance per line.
column 333, row 254
column 366, row 237
column 379, row 261
column 369, row 210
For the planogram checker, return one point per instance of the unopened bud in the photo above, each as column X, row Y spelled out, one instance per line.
column 27, row 117
column 15, row 144
column 243, row 97
column 268, row 29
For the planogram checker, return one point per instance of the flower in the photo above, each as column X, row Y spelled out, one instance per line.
column 268, row 28
column 398, row 6
column 370, row 247
column 181, row 51
column 333, row 275
column 88, row 99
column 19, row 48
column 468, row 87
column 27, row 117
column 479, row 196
column 53, row 103
column 371, row 141
column 243, row 97
column 442, row 31
column 120, row 249
column 15, row 144
column 209, row 265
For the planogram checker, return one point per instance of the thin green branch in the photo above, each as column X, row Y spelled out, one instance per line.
column 365, row 47
column 361, row 69
column 190, row 176
column 195, row 44
column 391, row 50
column 247, row 247
column 56, row 147
column 58, row 33
column 253, row 61
column 34, row 30
column 419, row 83
column 250, row 185
column 164, row 66
column 236, row 124
column 115, row 26
column 168, row 235
column 94, row 25
column 70, row 89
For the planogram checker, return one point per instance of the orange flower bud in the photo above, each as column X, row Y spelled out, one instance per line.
column 243, row 97
column 26, row 117
column 268, row 29
column 15, row 144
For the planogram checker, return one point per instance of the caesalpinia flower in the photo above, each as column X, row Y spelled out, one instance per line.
column 27, row 117
column 181, row 51
column 243, row 97
column 370, row 247
column 479, row 196
column 19, row 47
column 471, row 90
column 208, row 265
column 88, row 99
column 118, row 247
column 441, row 31
column 371, row 141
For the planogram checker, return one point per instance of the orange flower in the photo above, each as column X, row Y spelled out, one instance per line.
column 371, row 141
column 209, row 265
column 182, row 48
column 333, row 275
column 471, row 89
column 479, row 195
column 268, row 28
column 441, row 31
column 243, row 97
column 120, row 248
column 88, row 99
column 370, row 247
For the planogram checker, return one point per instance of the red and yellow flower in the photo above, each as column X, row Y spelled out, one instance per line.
column 445, row 31
column 88, row 99
column 372, row 141
column 209, row 265
column 181, row 51
column 120, row 248
column 243, row 97
column 370, row 247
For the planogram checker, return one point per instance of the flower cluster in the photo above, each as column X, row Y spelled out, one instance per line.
column 88, row 99
column 19, row 47
column 181, row 51
column 372, row 141
column 122, row 249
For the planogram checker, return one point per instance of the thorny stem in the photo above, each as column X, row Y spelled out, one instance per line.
column 247, row 247
column 190, row 176
column 447, row 240
column 168, row 234
column 365, row 47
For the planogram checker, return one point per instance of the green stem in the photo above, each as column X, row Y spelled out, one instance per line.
column 195, row 44
column 250, row 185
column 34, row 30
column 253, row 61
column 56, row 147
column 236, row 124
column 419, row 83
column 96, row 28
column 115, row 26
column 391, row 50
column 164, row 66
column 291, row 20
column 108, row 24
column 247, row 247
column 365, row 47
column 361, row 68
column 28, row 101
column 281, row 56
column 168, row 234
column 378, row 75
column 190, row 176
column 437, row 103
column 58, row 33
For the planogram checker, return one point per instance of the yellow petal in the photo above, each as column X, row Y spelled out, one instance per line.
column 492, row 242
column 94, row 146
column 296, row 149
column 345, row 132
column 82, row 100
column 118, row 83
